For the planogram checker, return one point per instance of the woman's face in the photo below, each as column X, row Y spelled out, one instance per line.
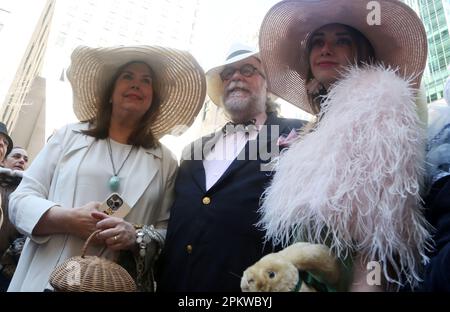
column 17, row 159
column 133, row 91
column 332, row 48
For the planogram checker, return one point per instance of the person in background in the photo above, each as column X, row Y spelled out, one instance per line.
column 17, row 159
column 437, row 272
column 6, row 143
column 126, row 98
column 14, row 165
column 211, row 234
column 8, row 182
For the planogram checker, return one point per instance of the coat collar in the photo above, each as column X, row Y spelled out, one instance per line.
column 157, row 152
column 145, row 166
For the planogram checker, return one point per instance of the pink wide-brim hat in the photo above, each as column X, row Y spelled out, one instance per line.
column 399, row 39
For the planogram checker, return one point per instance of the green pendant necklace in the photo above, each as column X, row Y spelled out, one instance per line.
column 114, row 181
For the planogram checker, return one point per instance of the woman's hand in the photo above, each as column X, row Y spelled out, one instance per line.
column 75, row 221
column 116, row 233
column 82, row 223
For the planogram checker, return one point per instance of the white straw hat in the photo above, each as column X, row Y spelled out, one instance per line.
column 179, row 81
column 214, row 83
column 399, row 39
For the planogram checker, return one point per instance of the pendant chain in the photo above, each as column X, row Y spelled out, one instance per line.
column 111, row 158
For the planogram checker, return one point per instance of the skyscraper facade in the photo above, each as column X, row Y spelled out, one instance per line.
column 435, row 15
column 23, row 51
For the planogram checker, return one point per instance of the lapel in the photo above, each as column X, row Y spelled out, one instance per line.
column 75, row 147
column 197, row 155
column 146, row 163
column 198, row 174
column 272, row 122
column 204, row 145
column 143, row 170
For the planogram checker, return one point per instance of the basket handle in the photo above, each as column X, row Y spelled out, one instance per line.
column 85, row 246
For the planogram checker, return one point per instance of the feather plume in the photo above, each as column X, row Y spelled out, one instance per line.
column 354, row 181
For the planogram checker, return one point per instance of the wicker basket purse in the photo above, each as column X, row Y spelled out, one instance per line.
column 91, row 274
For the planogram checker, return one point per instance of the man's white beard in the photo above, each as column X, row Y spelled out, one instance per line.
column 245, row 109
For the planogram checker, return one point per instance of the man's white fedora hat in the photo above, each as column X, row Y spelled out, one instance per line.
column 214, row 83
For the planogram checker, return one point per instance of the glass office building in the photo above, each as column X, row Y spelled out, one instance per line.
column 435, row 15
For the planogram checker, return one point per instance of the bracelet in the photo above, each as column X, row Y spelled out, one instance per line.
column 145, row 235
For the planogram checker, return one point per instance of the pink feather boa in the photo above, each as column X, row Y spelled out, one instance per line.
column 355, row 179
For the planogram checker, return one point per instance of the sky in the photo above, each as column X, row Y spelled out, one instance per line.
column 228, row 21
column 219, row 24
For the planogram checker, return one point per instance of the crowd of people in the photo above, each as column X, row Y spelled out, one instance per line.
column 14, row 162
column 353, row 179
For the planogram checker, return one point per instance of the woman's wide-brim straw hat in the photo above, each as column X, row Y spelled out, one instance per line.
column 393, row 28
column 179, row 82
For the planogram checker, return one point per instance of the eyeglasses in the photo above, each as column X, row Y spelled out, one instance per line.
column 246, row 70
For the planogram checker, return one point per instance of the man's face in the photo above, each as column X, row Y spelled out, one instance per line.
column 3, row 146
column 244, row 97
column 17, row 159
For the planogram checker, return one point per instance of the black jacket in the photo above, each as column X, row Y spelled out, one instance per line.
column 212, row 237
column 437, row 272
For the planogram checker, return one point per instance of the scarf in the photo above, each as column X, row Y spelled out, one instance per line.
column 353, row 182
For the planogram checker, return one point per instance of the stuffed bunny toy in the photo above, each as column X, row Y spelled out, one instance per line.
column 280, row 272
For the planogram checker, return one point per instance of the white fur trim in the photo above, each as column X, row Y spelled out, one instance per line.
column 355, row 179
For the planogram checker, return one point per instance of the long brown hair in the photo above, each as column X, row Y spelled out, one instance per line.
column 365, row 55
column 142, row 135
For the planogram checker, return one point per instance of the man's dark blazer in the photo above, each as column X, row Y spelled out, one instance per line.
column 212, row 237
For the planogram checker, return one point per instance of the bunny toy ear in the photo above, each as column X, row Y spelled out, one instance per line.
column 316, row 259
